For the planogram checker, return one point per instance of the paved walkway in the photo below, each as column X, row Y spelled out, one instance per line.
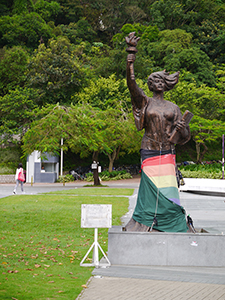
column 115, row 288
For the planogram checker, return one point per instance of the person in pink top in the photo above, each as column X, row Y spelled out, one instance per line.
column 20, row 181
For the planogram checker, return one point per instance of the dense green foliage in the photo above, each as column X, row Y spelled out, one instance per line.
column 207, row 170
column 9, row 158
column 71, row 52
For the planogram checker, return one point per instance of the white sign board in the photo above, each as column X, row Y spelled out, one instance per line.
column 96, row 215
column 94, row 166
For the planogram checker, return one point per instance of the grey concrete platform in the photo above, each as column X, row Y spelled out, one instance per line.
column 165, row 249
column 215, row 275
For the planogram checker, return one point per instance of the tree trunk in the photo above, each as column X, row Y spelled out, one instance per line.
column 200, row 155
column 110, row 163
column 203, row 152
column 198, row 150
column 113, row 157
column 95, row 171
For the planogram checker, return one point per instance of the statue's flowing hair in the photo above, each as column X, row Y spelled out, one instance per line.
column 170, row 80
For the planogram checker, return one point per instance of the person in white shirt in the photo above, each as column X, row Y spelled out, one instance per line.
column 18, row 171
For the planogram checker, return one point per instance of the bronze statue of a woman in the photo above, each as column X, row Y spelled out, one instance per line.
column 158, row 205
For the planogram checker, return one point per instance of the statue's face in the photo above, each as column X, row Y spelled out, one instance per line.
column 158, row 84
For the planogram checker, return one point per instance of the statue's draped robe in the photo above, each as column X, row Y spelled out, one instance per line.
column 158, row 194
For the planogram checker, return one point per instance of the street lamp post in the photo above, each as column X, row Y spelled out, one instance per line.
column 61, row 169
column 223, row 156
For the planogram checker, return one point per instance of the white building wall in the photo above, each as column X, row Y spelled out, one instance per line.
column 34, row 157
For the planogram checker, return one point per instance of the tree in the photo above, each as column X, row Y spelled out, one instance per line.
column 220, row 72
column 74, row 10
column 105, row 93
column 202, row 101
column 5, row 7
column 22, row 6
column 24, row 29
column 209, row 37
column 194, row 61
column 173, row 14
column 55, row 71
column 17, row 111
column 170, row 41
column 47, row 10
column 174, row 51
column 114, row 14
column 85, row 31
column 116, row 58
column 84, row 129
column 12, row 68
column 109, row 131
column 121, row 134
column 204, row 130
column 108, row 94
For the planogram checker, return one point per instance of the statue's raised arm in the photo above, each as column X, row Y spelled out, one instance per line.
column 131, row 41
column 138, row 97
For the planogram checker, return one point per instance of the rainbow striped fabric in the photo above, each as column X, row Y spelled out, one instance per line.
column 161, row 171
column 158, row 195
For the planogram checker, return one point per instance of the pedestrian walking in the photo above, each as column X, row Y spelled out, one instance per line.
column 20, row 178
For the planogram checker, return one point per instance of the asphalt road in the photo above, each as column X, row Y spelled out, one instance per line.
column 7, row 189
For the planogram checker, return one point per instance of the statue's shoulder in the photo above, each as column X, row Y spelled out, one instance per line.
column 169, row 103
column 148, row 99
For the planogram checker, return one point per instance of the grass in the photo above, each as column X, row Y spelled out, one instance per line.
column 96, row 191
column 42, row 243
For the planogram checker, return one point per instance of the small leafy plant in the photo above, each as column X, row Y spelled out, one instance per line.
column 65, row 178
column 106, row 175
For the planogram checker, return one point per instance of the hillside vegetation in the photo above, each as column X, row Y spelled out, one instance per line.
column 62, row 74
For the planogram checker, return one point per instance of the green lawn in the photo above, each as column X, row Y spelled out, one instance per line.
column 42, row 244
column 96, row 191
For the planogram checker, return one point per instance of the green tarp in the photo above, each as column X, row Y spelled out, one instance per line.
column 170, row 216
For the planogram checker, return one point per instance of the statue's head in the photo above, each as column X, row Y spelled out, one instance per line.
column 169, row 80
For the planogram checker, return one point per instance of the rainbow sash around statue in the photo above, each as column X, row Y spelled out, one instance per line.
column 159, row 196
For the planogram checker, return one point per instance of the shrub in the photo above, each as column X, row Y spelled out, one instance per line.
column 202, row 174
column 65, row 178
column 89, row 177
column 6, row 170
column 207, row 170
column 106, row 175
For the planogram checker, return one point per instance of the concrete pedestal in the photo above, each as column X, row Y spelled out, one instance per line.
column 204, row 186
column 165, row 249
